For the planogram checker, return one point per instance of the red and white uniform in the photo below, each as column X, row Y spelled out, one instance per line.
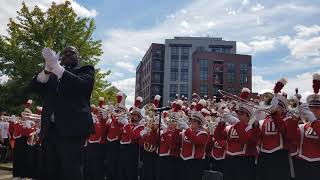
column 241, row 139
column 113, row 130
column 308, row 140
column 18, row 130
column 272, row 133
column 130, row 133
column 193, row 144
column 100, row 133
column 217, row 148
column 170, row 143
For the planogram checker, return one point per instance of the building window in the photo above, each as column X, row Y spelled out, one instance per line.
column 184, row 75
column 244, row 68
column 215, row 90
column 216, row 50
column 174, row 75
column 217, row 79
column 174, row 63
column 203, row 90
column 157, row 77
column 173, row 91
column 157, row 53
column 174, row 51
column 203, row 69
column 230, row 89
column 157, row 65
column 243, row 78
column 226, row 50
column 185, row 51
column 230, row 67
column 203, row 75
column 184, row 90
column 184, row 64
column 231, row 77
column 157, row 89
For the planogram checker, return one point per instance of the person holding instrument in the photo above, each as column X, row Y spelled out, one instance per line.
column 66, row 121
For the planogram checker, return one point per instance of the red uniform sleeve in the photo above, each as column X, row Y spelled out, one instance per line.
column 134, row 134
column 293, row 133
column 175, row 140
column 279, row 122
column 197, row 140
column 316, row 127
column 220, row 132
column 152, row 137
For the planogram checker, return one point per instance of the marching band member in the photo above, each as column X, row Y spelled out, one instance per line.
column 149, row 142
column 216, row 148
column 113, row 137
column 19, row 151
column 307, row 136
column 241, row 139
column 169, row 150
column 194, row 140
column 129, row 145
column 96, row 144
column 273, row 162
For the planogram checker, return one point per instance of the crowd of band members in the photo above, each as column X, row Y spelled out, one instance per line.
column 243, row 139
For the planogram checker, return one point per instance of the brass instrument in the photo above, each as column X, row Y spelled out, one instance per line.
column 267, row 97
column 210, row 124
column 149, row 113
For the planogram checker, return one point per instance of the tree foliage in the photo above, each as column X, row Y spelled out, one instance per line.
column 33, row 29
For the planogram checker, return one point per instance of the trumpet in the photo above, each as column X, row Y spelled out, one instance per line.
column 267, row 99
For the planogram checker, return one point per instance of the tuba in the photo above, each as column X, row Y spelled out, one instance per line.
column 149, row 113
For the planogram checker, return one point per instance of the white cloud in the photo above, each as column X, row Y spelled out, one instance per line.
column 303, row 31
column 9, row 8
column 127, row 66
column 245, row 2
column 257, row 7
column 301, row 81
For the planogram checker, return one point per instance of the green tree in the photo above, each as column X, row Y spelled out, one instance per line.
column 33, row 29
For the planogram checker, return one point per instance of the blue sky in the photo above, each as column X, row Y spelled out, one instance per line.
column 283, row 37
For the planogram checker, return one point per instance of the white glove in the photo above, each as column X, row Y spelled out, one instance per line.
column 303, row 107
column 182, row 125
column 123, row 119
column 104, row 114
column 163, row 126
column 231, row 119
column 143, row 133
column 52, row 61
column 308, row 115
column 50, row 57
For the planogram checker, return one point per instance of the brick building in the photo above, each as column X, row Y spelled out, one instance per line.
column 213, row 71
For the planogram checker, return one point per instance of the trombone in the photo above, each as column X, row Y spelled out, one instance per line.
column 267, row 99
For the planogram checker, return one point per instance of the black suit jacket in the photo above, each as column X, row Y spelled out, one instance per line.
column 69, row 100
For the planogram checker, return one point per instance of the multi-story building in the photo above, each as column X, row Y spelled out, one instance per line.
column 178, row 62
column 149, row 74
column 212, row 71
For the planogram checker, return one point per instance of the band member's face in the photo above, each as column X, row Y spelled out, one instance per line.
column 243, row 116
column 69, row 58
column 134, row 117
column 172, row 125
column 315, row 110
column 194, row 124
